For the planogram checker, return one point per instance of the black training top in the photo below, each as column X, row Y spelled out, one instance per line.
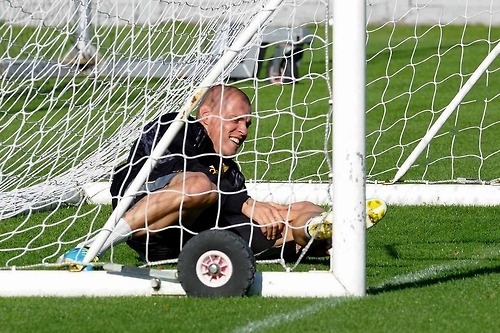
column 190, row 150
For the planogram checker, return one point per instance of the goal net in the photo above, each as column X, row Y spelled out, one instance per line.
column 432, row 105
column 80, row 79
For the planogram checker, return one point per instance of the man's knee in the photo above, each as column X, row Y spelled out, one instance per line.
column 198, row 188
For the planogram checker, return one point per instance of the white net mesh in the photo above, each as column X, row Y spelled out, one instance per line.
column 79, row 79
column 429, row 50
column 71, row 111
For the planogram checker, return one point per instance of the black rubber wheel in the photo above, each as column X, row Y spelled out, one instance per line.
column 216, row 263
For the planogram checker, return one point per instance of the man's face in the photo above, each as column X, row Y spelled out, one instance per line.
column 227, row 126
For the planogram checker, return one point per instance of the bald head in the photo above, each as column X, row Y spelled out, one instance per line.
column 216, row 96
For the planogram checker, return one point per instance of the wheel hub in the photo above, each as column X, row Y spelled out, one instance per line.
column 214, row 268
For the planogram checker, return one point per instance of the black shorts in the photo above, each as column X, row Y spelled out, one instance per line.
column 167, row 244
column 152, row 186
column 250, row 232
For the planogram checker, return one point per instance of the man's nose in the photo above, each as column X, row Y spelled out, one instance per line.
column 243, row 129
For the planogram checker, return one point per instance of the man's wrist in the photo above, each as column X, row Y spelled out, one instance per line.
column 247, row 206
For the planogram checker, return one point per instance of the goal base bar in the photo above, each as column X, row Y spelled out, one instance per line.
column 31, row 283
column 393, row 194
column 436, row 194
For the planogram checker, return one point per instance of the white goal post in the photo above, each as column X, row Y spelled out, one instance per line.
column 87, row 61
column 79, row 79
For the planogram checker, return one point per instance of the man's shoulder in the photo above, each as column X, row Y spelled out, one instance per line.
column 162, row 121
column 165, row 120
column 231, row 164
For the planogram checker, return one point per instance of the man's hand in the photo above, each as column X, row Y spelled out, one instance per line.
column 270, row 216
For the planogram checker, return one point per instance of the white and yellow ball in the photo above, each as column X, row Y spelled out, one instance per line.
column 375, row 211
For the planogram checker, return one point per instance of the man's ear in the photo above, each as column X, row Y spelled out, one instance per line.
column 203, row 114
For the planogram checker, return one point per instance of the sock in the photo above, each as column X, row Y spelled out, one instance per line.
column 320, row 227
column 313, row 221
column 120, row 233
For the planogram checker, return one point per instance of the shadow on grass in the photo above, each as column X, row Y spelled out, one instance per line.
column 433, row 275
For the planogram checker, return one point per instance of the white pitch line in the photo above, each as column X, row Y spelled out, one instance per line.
column 279, row 319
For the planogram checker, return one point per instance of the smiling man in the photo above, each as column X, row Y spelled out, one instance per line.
column 196, row 186
column 226, row 115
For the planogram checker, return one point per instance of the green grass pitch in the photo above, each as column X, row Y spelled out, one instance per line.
column 428, row 268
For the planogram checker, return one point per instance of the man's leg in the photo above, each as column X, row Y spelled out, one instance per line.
column 157, row 246
column 308, row 220
column 180, row 201
column 298, row 216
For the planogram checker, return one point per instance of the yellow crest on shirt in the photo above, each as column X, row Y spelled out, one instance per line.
column 214, row 171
